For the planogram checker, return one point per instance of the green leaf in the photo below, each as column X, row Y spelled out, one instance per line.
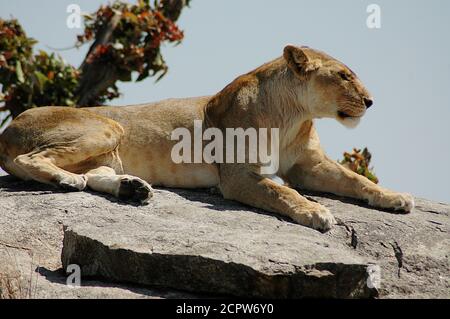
column 87, row 16
column 69, row 102
column 164, row 72
column 143, row 75
column 5, row 120
column 41, row 78
column 19, row 72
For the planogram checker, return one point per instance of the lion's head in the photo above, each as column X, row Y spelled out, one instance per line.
column 332, row 89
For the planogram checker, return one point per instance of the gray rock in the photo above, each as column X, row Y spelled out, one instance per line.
column 197, row 242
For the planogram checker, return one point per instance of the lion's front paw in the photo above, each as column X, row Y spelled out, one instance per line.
column 317, row 217
column 135, row 189
column 396, row 201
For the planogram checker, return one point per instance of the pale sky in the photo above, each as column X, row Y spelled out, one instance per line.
column 405, row 64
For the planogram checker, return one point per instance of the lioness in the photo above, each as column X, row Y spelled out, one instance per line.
column 120, row 150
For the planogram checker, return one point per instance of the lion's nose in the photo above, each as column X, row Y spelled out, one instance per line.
column 368, row 102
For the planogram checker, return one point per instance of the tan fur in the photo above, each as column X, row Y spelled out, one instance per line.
column 119, row 150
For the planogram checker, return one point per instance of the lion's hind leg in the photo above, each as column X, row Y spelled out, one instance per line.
column 63, row 161
column 41, row 166
column 71, row 149
column 102, row 173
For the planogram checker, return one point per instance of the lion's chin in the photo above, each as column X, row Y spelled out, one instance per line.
column 349, row 122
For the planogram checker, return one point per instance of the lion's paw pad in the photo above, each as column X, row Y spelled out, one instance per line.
column 135, row 189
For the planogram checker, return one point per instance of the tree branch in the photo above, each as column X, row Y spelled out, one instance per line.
column 99, row 75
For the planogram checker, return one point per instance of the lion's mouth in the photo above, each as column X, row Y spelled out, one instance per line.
column 344, row 115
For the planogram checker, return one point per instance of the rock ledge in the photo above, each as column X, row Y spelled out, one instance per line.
column 199, row 243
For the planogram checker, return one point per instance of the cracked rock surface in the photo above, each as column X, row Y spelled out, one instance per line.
column 190, row 243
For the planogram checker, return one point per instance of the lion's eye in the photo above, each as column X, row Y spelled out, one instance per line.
column 344, row 76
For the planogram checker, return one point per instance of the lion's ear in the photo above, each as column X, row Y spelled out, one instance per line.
column 298, row 60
